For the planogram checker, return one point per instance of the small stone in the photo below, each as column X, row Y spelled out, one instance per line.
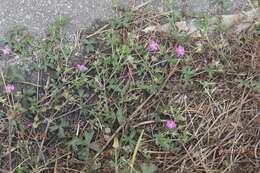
column 107, row 130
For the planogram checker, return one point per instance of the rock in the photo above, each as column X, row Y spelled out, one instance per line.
column 237, row 22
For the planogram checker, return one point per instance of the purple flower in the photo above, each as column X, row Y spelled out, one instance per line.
column 10, row 88
column 101, row 84
column 30, row 125
column 7, row 50
column 170, row 124
column 153, row 46
column 180, row 51
column 81, row 67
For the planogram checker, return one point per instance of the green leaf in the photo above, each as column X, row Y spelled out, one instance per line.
column 21, row 169
column 88, row 137
column 36, row 121
column 83, row 154
column 60, row 127
column 90, row 45
column 120, row 117
column 163, row 141
column 53, row 128
column 14, row 73
column 148, row 168
column 93, row 147
column 61, row 133
column 75, row 142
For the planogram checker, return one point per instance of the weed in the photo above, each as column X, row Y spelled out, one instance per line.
column 59, row 128
column 203, row 25
column 123, row 21
column 90, row 45
column 83, row 146
column 20, row 41
column 224, row 3
column 211, row 70
column 187, row 74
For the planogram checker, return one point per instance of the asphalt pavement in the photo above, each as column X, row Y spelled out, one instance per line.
column 37, row 15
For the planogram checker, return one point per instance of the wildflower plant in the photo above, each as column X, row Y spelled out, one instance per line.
column 180, row 51
column 7, row 50
column 10, row 88
column 153, row 46
column 81, row 67
column 170, row 124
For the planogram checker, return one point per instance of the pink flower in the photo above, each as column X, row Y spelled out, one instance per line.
column 180, row 51
column 170, row 124
column 10, row 88
column 153, row 46
column 7, row 50
column 81, row 67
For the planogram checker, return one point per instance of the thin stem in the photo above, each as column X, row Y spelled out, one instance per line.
column 10, row 144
